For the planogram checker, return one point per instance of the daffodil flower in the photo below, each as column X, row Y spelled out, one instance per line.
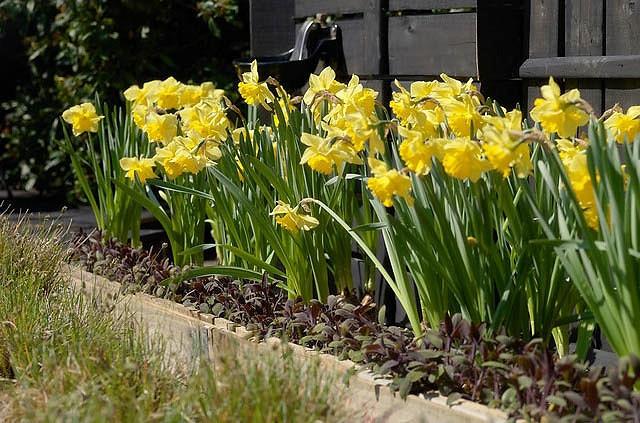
column 624, row 126
column 325, row 81
column 463, row 159
column 559, row 113
column 82, row 118
column 385, row 184
column 291, row 219
column 140, row 167
column 253, row 91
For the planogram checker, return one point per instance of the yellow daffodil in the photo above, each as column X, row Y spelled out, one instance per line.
column 206, row 119
column 417, row 152
column 624, row 126
column 462, row 115
column 139, row 113
column 82, row 118
column 177, row 159
column 325, row 81
column 253, row 91
column 291, row 219
column 167, row 93
column 558, row 113
column 574, row 159
column 140, row 167
column 205, row 147
column 322, row 154
column 385, row 183
column 451, row 87
column 135, row 95
column 161, row 128
column 286, row 107
column 504, row 150
column 463, row 159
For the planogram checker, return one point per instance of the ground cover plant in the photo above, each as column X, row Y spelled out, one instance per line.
column 521, row 229
column 64, row 357
column 458, row 359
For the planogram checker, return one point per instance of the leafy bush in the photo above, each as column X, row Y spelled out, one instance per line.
column 63, row 51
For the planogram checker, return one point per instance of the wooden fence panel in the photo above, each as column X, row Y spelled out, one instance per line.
column 425, row 44
column 543, row 40
column 584, row 37
column 623, row 38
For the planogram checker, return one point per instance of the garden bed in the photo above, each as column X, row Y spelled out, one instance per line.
column 192, row 336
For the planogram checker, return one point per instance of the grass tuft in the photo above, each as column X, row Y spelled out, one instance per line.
column 64, row 357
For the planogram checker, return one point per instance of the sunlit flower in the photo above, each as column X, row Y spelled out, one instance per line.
column 463, row 159
column 624, row 126
column 417, row 152
column 462, row 116
column 574, row 159
column 206, row 119
column 291, row 219
column 322, row 154
column 502, row 144
column 177, row 159
column 167, row 93
column 559, row 113
column 325, row 81
column 82, row 118
column 253, row 91
column 140, row 167
column 385, row 184
column 161, row 128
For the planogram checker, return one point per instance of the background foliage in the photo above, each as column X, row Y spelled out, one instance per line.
column 57, row 53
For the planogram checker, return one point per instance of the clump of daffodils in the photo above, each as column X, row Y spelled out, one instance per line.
column 187, row 122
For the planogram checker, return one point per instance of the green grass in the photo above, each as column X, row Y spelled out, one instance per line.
column 66, row 358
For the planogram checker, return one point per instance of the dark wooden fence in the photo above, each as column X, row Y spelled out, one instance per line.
column 593, row 45
column 510, row 46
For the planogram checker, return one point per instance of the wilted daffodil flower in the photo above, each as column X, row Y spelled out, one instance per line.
column 624, row 125
column 140, row 167
column 253, row 91
column 291, row 219
column 386, row 183
column 82, row 118
column 559, row 113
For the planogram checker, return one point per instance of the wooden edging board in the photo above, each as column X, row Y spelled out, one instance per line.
column 190, row 336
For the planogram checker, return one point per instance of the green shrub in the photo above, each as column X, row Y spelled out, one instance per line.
column 62, row 51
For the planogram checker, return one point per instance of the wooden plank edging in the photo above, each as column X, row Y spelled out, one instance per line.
column 191, row 336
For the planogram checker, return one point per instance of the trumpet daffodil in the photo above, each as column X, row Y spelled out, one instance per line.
column 82, row 118
column 253, row 91
column 387, row 183
column 140, row 167
column 624, row 126
column 559, row 113
column 291, row 219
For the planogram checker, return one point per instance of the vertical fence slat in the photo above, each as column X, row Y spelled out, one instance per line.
column 623, row 37
column 543, row 38
column 584, row 37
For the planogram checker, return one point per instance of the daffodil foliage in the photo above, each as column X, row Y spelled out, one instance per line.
column 463, row 192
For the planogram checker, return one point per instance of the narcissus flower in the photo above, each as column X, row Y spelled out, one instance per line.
column 326, row 81
column 624, row 126
column 291, row 219
column 177, row 159
column 167, row 93
column 206, row 119
column 559, row 113
column 417, row 152
column 140, row 167
column 323, row 154
column 502, row 144
column 385, row 183
column 82, row 118
column 253, row 91
column 574, row 159
column 161, row 128
column 463, row 159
